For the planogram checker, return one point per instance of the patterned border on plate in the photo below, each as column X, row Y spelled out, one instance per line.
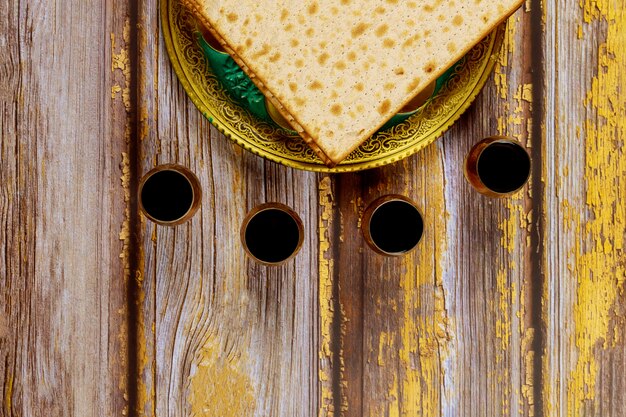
column 277, row 145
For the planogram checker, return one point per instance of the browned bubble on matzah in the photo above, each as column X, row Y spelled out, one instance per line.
column 338, row 70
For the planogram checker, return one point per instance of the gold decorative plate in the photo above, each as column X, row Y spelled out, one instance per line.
column 277, row 145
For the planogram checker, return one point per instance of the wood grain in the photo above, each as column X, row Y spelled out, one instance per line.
column 443, row 330
column 62, row 294
column 584, row 314
column 221, row 335
column 507, row 307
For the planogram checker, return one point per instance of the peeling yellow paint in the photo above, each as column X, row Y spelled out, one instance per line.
column 503, row 322
column 424, row 332
column 114, row 90
column 618, row 336
column 143, row 125
column 122, row 338
column 234, row 395
column 508, row 304
column 527, row 5
column 527, row 385
column 124, row 236
column 8, row 395
column 145, row 396
column 500, row 79
column 145, row 361
column 515, row 221
column 424, row 338
column 326, row 408
column 525, row 92
column 599, row 256
column 125, row 179
column 416, row 382
column 385, row 341
column 515, row 121
column 393, row 409
column 120, row 61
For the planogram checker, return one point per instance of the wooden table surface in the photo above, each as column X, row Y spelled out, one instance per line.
column 508, row 307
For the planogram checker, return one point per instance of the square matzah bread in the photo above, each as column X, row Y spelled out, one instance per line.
column 339, row 69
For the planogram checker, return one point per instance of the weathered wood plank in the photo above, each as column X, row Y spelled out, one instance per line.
column 223, row 335
column 490, row 255
column 444, row 330
column 584, row 367
column 63, row 323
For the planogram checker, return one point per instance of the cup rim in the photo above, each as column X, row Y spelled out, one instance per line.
column 470, row 165
column 371, row 210
column 265, row 207
column 196, row 193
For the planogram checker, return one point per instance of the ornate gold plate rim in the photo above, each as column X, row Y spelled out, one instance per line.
column 276, row 144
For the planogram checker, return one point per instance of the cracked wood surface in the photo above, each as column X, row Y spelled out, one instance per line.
column 508, row 307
